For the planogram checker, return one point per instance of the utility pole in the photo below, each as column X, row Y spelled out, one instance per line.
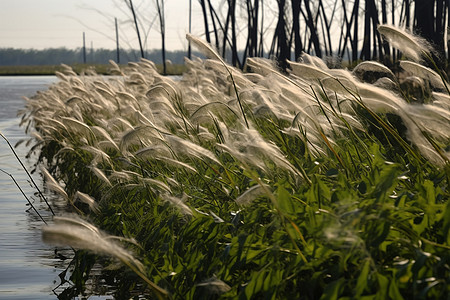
column 117, row 41
column 92, row 52
column 190, row 16
column 84, row 48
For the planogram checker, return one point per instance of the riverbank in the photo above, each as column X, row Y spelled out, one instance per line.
column 102, row 69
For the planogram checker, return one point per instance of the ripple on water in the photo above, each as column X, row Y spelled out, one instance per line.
column 27, row 265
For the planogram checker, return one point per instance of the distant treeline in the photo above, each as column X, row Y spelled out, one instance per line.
column 56, row 56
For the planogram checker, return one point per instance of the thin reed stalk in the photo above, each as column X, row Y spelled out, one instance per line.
column 28, row 173
column 25, row 196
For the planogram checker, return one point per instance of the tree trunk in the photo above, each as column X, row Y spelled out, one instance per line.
column 282, row 49
column 384, row 21
column 251, row 47
column 355, row 16
column 365, row 52
column 205, row 20
column 298, row 47
column 312, row 29
column 438, row 38
column 377, row 43
column 137, row 28
column 234, row 56
column 348, row 35
column 326, row 30
column 424, row 16
column 428, row 21
column 162, row 26
column 213, row 21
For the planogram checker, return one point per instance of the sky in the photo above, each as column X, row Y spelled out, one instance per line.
column 41, row 24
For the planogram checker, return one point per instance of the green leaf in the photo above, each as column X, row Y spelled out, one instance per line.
column 285, row 202
column 383, row 284
column 446, row 225
column 333, row 290
column 319, row 193
column 430, row 192
column 394, row 293
column 255, row 285
column 388, row 178
column 361, row 283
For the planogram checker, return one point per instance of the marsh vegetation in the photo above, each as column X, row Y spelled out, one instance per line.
column 313, row 184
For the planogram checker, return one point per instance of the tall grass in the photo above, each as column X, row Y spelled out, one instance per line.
column 312, row 184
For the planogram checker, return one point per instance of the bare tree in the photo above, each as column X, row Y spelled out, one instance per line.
column 137, row 27
column 384, row 21
column 305, row 25
column 355, row 16
column 205, row 19
column 232, row 14
column 298, row 46
column 326, row 27
column 311, row 23
column 251, row 47
column 261, row 32
column 162, row 26
column 280, row 42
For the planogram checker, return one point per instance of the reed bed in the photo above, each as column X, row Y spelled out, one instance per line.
column 309, row 185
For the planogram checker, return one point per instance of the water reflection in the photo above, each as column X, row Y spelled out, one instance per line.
column 27, row 266
column 30, row 269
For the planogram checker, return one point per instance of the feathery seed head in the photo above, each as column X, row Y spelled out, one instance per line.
column 412, row 46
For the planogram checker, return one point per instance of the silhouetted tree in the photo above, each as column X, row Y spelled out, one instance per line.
column 137, row 27
column 281, row 50
column 162, row 26
column 305, row 25
column 298, row 46
column 205, row 19
column 312, row 26
column 251, row 47
column 429, row 22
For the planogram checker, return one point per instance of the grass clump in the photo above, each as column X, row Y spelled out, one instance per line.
column 264, row 186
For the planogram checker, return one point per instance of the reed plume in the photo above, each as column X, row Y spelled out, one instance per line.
column 52, row 184
column 209, row 51
column 85, row 198
column 412, row 46
column 317, row 143
column 424, row 72
column 79, row 234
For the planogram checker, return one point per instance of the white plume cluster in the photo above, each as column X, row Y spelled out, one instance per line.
column 141, row 117
column 144, row 115
column 80, row 234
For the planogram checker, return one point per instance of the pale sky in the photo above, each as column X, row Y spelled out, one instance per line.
column 41, row 24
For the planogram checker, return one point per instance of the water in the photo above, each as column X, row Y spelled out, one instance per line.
column 28, row 268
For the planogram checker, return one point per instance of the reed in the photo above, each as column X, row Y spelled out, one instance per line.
column 265, row 184
column 25, row 196
column 28, row 174
column 79, row 234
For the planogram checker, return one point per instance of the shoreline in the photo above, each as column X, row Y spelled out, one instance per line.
column 101, row 69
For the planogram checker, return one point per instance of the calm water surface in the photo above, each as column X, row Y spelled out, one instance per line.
column 28, row 268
